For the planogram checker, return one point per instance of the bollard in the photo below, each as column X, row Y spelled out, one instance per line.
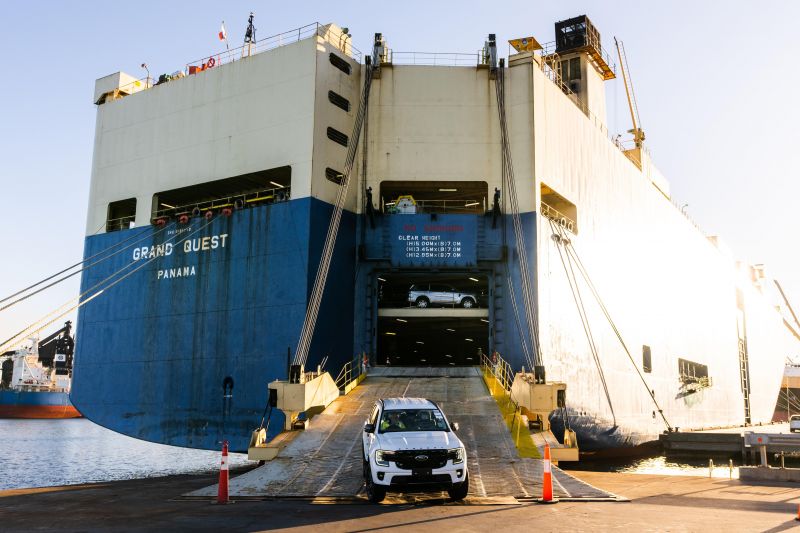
column 730, row 468
column 763, row 450
column 222, row 490
column 710, row 467
column 547, row 479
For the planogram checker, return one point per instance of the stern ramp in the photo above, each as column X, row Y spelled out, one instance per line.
column 324, row 461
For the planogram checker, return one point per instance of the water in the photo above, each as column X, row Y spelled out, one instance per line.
column 42, row 453
column 659, row 465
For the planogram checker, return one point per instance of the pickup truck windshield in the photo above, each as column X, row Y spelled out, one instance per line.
column 397, row 420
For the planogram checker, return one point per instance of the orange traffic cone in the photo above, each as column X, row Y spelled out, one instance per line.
column 222, row 491
column 798, row 512
column 547, row 479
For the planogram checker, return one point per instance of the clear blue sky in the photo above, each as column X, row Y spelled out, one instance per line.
column 715, row 84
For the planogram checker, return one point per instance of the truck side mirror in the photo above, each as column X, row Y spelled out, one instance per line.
column 455, row 426
column 369, row 428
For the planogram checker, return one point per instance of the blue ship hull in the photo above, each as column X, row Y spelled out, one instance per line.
column 154, row 350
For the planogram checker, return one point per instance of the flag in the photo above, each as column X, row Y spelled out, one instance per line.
column 223, row 35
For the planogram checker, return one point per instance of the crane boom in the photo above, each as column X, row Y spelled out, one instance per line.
column 638, row 133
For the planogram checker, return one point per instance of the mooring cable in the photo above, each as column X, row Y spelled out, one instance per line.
column 14, row 340
column 77, row 271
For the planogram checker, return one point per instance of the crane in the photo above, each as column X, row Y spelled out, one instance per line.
column 636, row 131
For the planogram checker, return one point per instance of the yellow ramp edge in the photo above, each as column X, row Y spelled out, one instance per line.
column 512, row 417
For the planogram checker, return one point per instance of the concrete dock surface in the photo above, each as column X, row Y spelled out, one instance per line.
column 658, row 503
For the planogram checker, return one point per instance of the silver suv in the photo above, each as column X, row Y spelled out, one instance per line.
column 426, row 295
column 408, row 445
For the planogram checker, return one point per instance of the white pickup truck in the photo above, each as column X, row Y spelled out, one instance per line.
column 409, row 446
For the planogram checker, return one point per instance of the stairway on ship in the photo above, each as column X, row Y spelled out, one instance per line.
column 325, row 460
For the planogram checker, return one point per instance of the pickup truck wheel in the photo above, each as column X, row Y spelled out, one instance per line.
column 375, row 493
column 422, row 302
column 467, row 303
column 459, row 492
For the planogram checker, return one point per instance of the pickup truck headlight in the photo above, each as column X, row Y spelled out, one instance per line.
column 382, row 457
column 457, row 455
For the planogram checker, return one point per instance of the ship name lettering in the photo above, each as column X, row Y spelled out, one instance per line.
column 205, row 243
column 151, row 252
column 180, row 272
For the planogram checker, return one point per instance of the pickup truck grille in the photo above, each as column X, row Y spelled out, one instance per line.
column 409, row 459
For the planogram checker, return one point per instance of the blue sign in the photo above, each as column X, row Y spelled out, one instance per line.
column 420, row 241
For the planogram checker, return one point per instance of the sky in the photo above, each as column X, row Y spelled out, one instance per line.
column 714, row 83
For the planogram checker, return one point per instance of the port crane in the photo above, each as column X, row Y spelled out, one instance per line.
column 636, row 131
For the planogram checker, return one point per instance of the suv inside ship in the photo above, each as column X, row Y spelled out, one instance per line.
column 409, row 446
column 426, row 295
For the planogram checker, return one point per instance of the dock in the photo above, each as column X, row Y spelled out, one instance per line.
column 673, row 503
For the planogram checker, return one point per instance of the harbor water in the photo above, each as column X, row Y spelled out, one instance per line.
column 42, row 453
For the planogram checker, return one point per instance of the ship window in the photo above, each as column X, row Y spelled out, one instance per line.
column 691, row 372
column 340, row 63
column 338, row 100
column 334, row 176
column 246, row 190
column 434, row 197
column 337, row 136
column 558, row 209
column 121, row 215
column 570, row 69
column 647, row 360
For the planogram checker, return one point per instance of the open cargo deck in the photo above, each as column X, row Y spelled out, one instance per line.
column 324, row 461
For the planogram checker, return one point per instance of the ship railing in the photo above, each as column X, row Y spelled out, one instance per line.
column 349, row 375
column 501, row 370
column 436, row 59
column 116, row 224
column 337, row 38
column 558, row 217
column 549, row 65
column 238, row 201
column 441, row 207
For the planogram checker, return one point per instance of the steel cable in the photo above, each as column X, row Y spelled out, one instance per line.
column 18, row 300
column 570, row 249
column 519, row 235
column 315, row 301
column 576, row 296
column 15, row 339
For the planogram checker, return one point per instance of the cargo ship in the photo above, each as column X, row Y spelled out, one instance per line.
column 485, row 207
column 35, row 380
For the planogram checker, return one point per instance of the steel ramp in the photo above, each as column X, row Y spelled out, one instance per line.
column 324, row 462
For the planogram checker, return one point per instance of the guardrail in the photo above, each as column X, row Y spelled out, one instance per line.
column 116, row 224
column 440, row 206
column 439, row 59
column 349, row 375
column 558, row 217
column 501, row 371
column 215, row 59
column 239, row 201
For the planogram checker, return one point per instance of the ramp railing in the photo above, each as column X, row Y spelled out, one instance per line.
column 350, row 375
column 501, row 371
column 499, row 378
